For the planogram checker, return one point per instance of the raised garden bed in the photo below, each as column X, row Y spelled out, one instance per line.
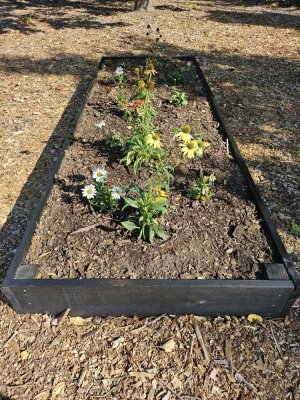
column 221, row 257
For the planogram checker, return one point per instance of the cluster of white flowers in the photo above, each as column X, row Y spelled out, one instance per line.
column 119, row 71
column 100, row 176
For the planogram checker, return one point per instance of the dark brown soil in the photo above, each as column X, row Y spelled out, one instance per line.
column 221, row 239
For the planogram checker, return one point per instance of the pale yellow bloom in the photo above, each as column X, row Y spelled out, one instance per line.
column 183, row 133
column 201, row 145
column 153, row 140
column 254, row 318
column 150, row 69
column 189, row 148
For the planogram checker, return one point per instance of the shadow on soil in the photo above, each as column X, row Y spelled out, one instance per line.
column 4, row 397
column 276, row 20
column 17, row 220
column 25, row 16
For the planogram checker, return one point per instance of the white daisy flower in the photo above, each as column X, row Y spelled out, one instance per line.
column 100, row 124
column 100, row 174
column 116, row 192
column 119, row 71
column 89, row 191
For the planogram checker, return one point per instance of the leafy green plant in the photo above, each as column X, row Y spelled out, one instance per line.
column 147, row 208
column 202, row 190
column 99, row 195
column 177, row 77
column 103, row 200
column 114, row 140
column 138, row 151
column 295, row 230
column 121, row 98
column 178, row 98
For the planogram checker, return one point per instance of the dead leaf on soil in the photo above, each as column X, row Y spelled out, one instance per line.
column 44, row 395
column 168, row 346
column 24, row 355
column 57, row 389
column 116, row 343
column 77, row 321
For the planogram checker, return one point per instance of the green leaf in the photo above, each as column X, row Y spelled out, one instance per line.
column 130, row 202
column 295, row 230
column 129, row 225
column 160, row 232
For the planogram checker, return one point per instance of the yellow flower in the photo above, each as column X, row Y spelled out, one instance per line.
column 141, row 84
column 153, row 140
column 150, row 70
column 137, row 71
column 212, row 178
column 254, row 318
column 189, row 148
column 183, row 133
column 160, row 192
column 201, row 145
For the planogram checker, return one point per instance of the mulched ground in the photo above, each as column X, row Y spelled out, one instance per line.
column 250, row 55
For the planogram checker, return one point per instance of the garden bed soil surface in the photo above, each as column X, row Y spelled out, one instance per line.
column 222, row 239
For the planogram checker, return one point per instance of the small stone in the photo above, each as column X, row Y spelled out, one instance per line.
column 229, row 251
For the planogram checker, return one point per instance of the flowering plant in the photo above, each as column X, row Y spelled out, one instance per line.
column 202, row 190
column 99, row 195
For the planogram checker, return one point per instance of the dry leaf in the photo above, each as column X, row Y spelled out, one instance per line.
column 168, row 346
column 57, row 389
column 77, row 321
column 254, row 318
column 279, row 363
column 116, row 343
column 24, row 355
column 213, row 374
column 44, row 395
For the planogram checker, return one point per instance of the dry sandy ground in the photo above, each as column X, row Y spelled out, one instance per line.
column 250, row 53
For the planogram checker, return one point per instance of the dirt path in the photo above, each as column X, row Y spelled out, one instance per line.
column 250, row 55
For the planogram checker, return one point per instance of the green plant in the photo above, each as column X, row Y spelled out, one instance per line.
column 147, row 208
column 100, row 196
column 28, row 19
column 114, row 140
column 121, row 98
column 138, row 151
column 178, row 98
column 295, row 230
column 121, row 78
column 177, row 77
column 202, row 190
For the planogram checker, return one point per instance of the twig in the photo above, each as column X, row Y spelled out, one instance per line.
column 201, row 342
column 63, row 317
column 136, row 330
column 276, row 344
column 9, row 339
column 180, row 397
